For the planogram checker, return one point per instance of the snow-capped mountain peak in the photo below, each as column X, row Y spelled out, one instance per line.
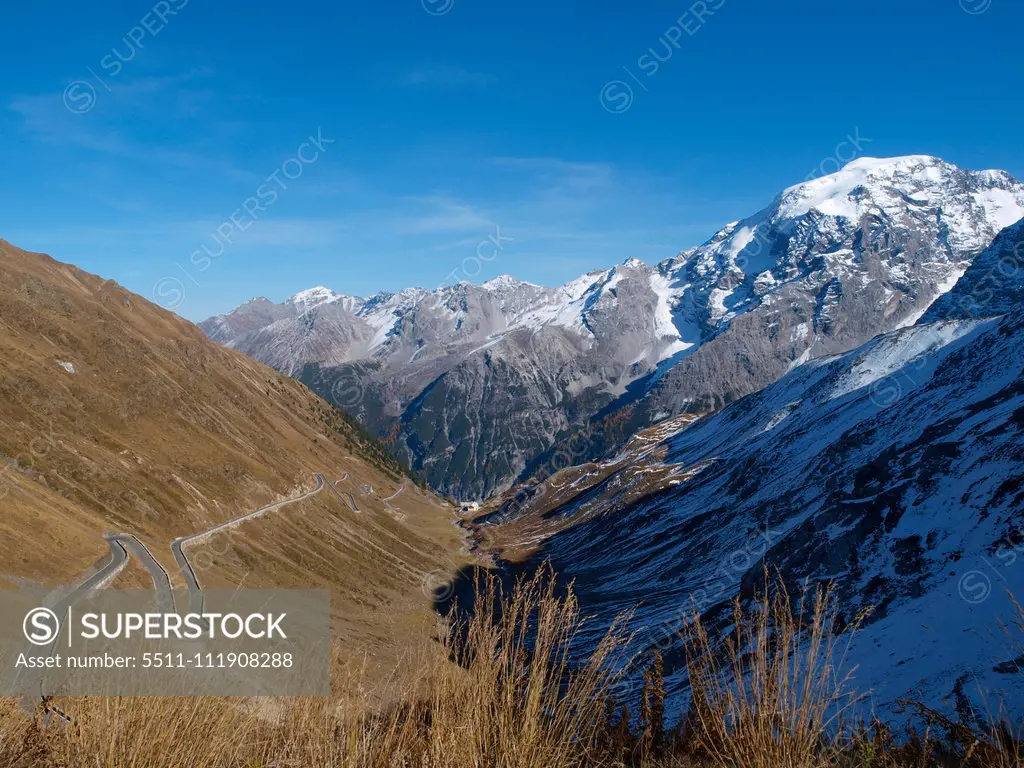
column 870, row 185
column 505, row 283
column 313, row 297
column 835, row 194
column 841, row 217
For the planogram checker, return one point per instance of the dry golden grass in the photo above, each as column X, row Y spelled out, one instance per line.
column 775, row 694
column 516, row 701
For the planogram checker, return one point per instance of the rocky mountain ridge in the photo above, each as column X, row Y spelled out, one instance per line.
column 480, row 386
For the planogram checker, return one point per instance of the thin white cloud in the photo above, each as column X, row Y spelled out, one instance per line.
column 446, row 215
column 46, row 120
column 558, row 174
column 447, row 77
column 101, row 130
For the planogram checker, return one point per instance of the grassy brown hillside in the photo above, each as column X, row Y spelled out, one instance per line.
column 159, row 432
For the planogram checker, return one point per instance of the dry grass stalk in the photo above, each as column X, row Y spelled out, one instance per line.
column 774, row 693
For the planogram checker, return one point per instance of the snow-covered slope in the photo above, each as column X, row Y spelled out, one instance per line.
column 479, row 384
column 895, row 470
column 993, row 284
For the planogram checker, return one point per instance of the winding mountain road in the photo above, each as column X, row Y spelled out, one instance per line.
column 387, row 502
column 351, row 502
column 161, row 579
column 33, row 681
column 122, row 544
column 98, row 580
column 178, row 545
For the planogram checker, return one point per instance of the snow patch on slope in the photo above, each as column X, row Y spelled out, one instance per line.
column 665, row 324
column 898, row 351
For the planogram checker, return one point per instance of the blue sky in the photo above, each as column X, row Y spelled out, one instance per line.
column 134, row 131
